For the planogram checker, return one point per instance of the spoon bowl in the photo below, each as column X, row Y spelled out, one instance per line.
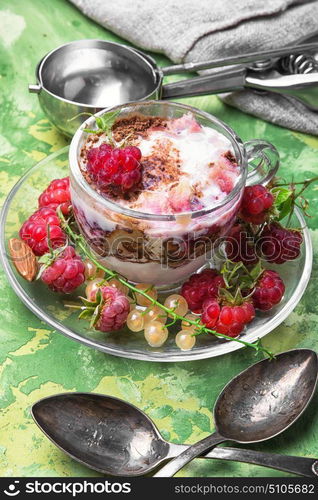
column 268, row 397
column 105, row 433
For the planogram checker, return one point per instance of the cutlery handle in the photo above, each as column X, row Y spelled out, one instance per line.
column 301, row 466
column 240, row 59
column 223, row 81
column 188, row 454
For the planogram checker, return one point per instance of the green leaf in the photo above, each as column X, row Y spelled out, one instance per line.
column 246, row 283
column 283, row 203
column 95, row 316
column 99, row 122
column 109, row 117
column 86, row 314
column 48, row 258
column 99, row 297
column 281, row 195
column 230, row 270
column 104, row 123
column 87, row 303
column 227, row 295
column 45, row 259
column 90, row 130
column 238, row 298
column 256, row 271
column 285, row 209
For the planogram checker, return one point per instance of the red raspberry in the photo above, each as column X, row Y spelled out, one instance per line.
column 133, row 151
column 57, row 194
column 66, row 273
column 279, row 244
column 114, row 170
column 240, row 246
column 210, row 312
column 114, row 311
column 269, row 290
column 256, row 202
column 227, row 319
column 34, row 231
column 96, row 158
column 200, row 287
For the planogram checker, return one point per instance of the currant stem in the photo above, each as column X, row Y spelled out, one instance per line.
column 305, row 183
column 79, row 240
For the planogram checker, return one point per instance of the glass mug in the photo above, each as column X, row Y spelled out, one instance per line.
column 163, row 249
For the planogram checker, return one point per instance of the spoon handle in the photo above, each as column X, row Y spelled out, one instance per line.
column 239, row 59
column 187, row 455
column 302, row 466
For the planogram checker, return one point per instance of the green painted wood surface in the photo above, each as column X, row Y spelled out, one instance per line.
column 36, row 361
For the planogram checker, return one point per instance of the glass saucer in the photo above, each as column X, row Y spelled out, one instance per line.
column 49, row 307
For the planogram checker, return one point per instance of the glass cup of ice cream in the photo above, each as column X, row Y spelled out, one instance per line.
column 167, row 219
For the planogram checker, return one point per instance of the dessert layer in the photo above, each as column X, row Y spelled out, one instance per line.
column 185, row 166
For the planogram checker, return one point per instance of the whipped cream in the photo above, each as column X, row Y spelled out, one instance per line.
column 199, row 160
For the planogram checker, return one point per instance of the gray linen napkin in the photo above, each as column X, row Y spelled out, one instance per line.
column 188, row 30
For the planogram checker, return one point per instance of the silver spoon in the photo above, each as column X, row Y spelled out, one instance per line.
column 258, row 404
column 114, row 437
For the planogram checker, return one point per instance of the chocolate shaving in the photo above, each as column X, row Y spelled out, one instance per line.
column 229, row 155
column 136, row 125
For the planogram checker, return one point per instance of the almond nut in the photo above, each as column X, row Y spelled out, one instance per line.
column 23, row 259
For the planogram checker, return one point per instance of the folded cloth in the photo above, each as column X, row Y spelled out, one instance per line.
column 191, row 31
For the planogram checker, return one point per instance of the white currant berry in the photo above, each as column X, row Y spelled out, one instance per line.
column 177, row 303
column 150, row 290
column 93, row 286
column 135, row 320
column 185, row 340
column 91, row 270
column 154, row 313
column 156, row 334
column 120, row 286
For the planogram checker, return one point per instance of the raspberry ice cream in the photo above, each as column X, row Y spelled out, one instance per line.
column 154, row 235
